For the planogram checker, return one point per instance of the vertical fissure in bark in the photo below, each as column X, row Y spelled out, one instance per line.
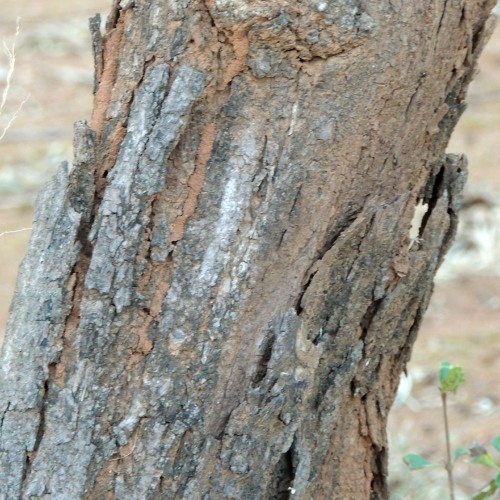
column 281, row 487
column 207, row 4
column 480, row 36
column 43, row 409
column 413, row 98
column 368, row 318
column 113, row 16
column 432, row 195
column 339, row 229
column 298, row 306
column 379, row 456
column 4, row 412
column 360, row 384
column 30, row 455
column 448, row 183
column 264, row 356
column 81, row 198
column 440, row 24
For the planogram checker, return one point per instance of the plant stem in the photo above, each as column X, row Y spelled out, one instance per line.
column 449, row 463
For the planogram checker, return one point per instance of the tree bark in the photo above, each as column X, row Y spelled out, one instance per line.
column 220, row 294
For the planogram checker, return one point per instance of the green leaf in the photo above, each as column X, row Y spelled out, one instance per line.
column 484, row 459
column 497, row 480
column 496, row 443
column 486, row 493
column 460, row 452
column 451, row 377
column 416, row 462
column 482, row 495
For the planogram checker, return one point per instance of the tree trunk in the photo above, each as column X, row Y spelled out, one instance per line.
column 220, row 294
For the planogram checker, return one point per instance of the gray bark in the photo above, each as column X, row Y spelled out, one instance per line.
column 220, row 294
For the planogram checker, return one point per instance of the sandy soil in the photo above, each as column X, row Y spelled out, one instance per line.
column 54, row 68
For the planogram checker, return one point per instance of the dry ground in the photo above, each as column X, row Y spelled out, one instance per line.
column 463, row 323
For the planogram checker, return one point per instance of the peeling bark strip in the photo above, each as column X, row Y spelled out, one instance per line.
column 153, row 131
column 195, row 182
column 219, row 296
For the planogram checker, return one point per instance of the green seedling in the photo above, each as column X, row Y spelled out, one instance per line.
column 451, row 377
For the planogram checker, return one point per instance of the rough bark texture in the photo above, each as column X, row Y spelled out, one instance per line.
column 220, row 294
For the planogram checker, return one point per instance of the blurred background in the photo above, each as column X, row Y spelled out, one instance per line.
column 54, row 73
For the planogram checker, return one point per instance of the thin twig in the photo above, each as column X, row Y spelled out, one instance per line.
column 449, row 463
column 15, row 231
column 11, row 55
column 13, row 117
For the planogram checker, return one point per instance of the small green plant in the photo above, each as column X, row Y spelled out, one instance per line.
column 450, row 379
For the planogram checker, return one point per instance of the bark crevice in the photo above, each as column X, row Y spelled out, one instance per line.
column 283, row 475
